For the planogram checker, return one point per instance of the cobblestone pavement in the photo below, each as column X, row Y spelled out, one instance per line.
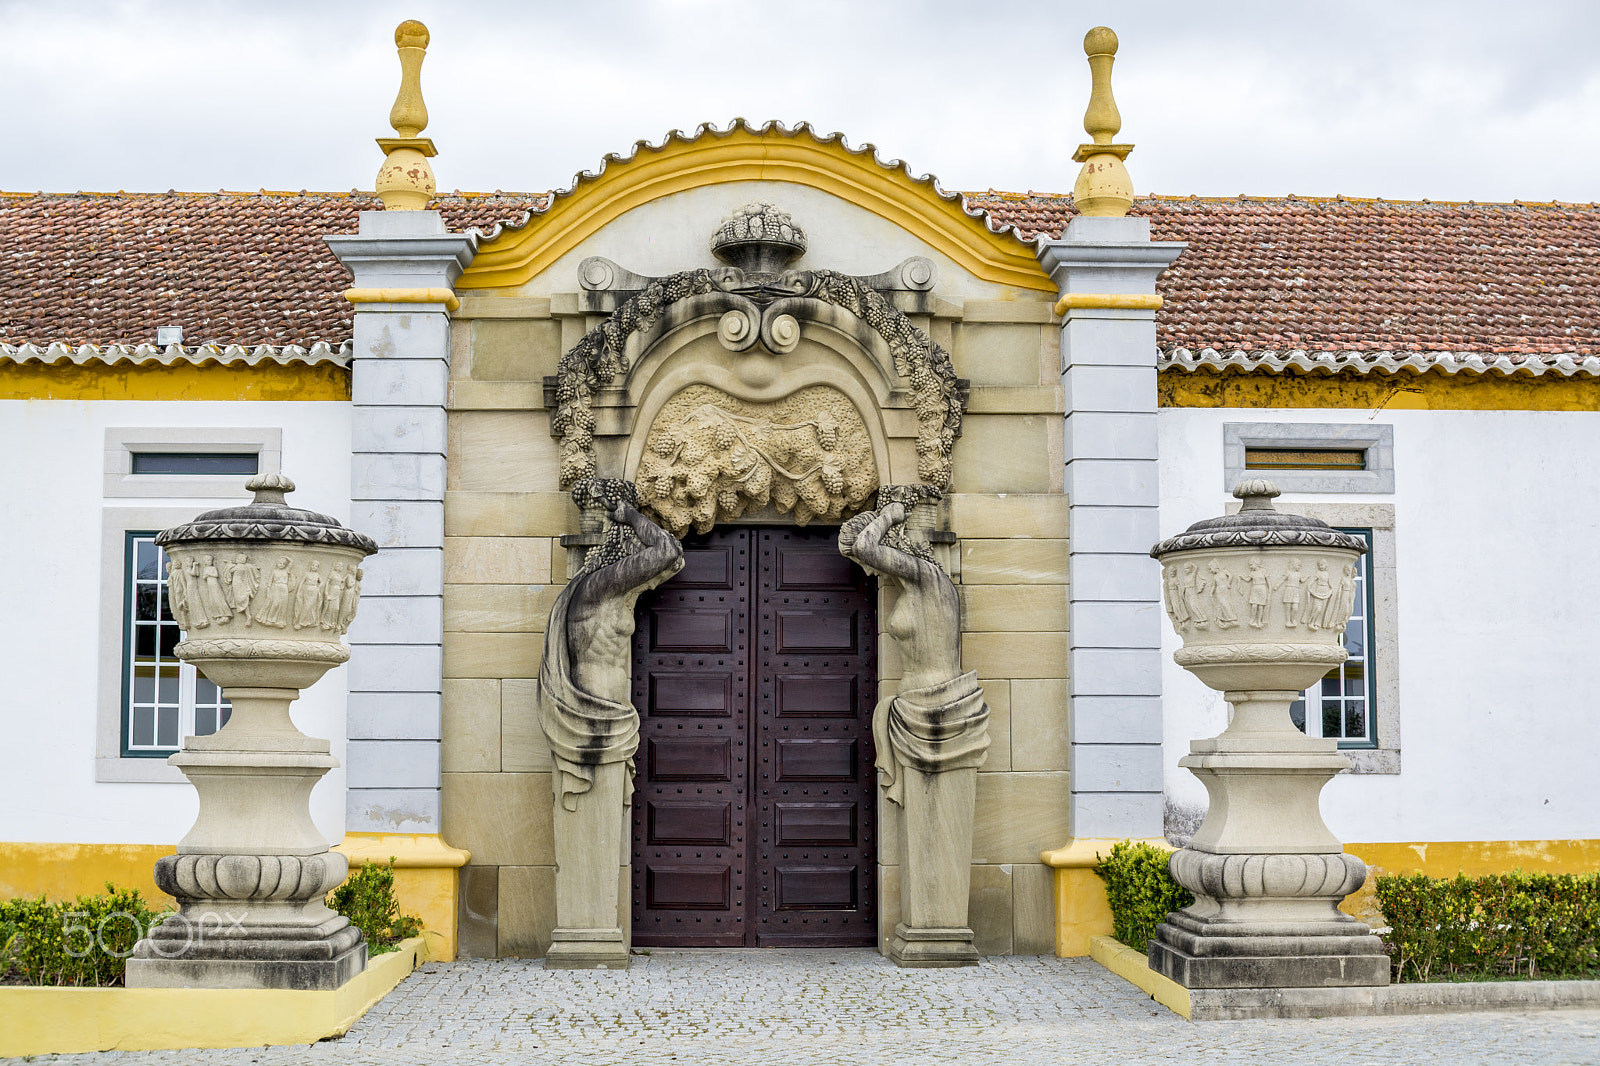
column 829, row 1007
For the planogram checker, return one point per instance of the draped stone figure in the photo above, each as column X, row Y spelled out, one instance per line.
column 932, row 735
column 589, row 721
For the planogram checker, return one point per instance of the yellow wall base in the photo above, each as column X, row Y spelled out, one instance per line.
column 1082, row 912
column 42, row 1021
column 426, row 879
column 1134, row 968
column 64, row 871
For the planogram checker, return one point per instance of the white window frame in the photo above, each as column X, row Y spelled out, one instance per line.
column 122, row 442
column 1383, row 629
column 1375, row 442
column 266, row 443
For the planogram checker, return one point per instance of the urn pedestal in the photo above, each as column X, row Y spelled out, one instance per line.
column 263, row 594
column 1261, row 600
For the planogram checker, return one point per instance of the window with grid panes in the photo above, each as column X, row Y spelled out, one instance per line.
column 163, row 699
column 1343, row 705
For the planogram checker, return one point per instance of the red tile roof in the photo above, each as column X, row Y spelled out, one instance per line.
column 1362, row 275
column 1287, row 273
column 231, row 268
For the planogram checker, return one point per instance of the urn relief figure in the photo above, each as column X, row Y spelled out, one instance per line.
column 250, row 876
column 1266, row 872
column 591, row 724
column 932, row 735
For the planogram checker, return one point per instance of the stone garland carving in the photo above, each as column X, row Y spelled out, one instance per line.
column 1206, row 595
column 601, row 357
column 710, row 457
column 258, row 590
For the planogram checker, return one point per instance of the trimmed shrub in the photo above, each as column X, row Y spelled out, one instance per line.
column 1499, row 926
column 1141, row 891
column 82, row 942
column 367, row 899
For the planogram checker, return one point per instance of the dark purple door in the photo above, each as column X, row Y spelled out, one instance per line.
column 755, row 676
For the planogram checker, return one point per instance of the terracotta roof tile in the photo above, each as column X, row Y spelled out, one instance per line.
column 230, row 268
column 1362, row 275
column 1260, row 274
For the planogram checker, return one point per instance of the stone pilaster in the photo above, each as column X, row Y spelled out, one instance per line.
column 1106, row 270
column 404, row 264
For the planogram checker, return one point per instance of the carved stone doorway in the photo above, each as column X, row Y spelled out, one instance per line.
column 754, row 815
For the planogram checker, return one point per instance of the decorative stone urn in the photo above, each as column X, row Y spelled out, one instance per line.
column 263, row 594
column 1261, row 600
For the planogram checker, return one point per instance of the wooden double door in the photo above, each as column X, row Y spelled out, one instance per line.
column 755, row 675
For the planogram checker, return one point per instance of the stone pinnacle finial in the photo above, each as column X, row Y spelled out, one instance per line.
column 405, row 181
column 1104, row 187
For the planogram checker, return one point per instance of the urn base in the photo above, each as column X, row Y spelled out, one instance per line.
column 180, row 953
column 1197, row 953
column 929, row 948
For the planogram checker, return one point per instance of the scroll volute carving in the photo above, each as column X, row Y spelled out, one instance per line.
column 712, row 458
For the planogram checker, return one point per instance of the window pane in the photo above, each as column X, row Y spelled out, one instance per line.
column 205, row 721
column 195, row 463
column 1355, row 720
column 144, row 608
column 1305, row 459
column 144, row 684
column 167, row 685
column 144, row 642
column 143, row 733
column 169, row 641
column 148, row 567
column 1297, row 714
column 167, row 732
column 1332, row 712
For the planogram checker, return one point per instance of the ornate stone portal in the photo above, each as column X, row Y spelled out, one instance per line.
column 263, row 594
column 592, row 728
column 931, row 736
column 1261, row 600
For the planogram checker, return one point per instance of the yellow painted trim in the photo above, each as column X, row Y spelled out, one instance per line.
column 1475, row 858
column 743, row 154
column 65, row 871
column 404, row 296
column 43, row 1021
column 179, row 381
column 426, row 879
column 1118, row 301
column 1134, row 968
column 1377, row 392
column 1082, row 912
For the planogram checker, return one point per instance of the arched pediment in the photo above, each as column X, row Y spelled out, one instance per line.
column 510, row 256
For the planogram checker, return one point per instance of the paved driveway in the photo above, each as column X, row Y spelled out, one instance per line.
column 826, row 1008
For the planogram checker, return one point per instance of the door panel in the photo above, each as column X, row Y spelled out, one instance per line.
column 754, row 820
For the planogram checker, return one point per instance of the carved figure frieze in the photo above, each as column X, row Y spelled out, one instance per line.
column 1216, row 593
column 710, row 457
column 262, row 588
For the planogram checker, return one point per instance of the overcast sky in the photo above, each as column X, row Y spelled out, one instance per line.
column 1400, row 98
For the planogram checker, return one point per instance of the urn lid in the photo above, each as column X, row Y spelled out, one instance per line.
column 1258, row 525
column 267, row 517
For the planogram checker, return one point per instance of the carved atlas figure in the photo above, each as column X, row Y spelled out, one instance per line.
column 938, row 721
column 585, row 676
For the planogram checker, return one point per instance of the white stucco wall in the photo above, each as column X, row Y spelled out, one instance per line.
column 1498, row 612
column 53, row 487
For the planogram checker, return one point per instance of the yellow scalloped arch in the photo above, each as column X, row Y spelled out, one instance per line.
column 745, row 154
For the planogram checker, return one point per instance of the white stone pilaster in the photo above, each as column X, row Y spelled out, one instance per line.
column 1108, row 357
column 401, row 373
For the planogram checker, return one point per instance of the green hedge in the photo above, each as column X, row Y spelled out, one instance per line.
column 367, row 899
column 1500, row 926
column 1140, row 890
column 82, row 942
